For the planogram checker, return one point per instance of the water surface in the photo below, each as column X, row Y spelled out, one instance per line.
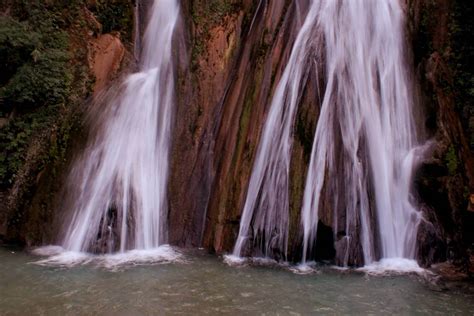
column 206, row 285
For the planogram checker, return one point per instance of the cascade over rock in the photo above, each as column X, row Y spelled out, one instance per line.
column 367, row 104
column 324, row 184
column 119, row 184
column 217, row 142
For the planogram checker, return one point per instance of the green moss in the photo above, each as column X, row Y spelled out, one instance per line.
column 245, row 117
column 212, row 12
column 451, row 161
column 221, row 8
column 206, row 15
column 15, row 140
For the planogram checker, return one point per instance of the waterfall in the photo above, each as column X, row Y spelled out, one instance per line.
column 365, row 146
column 265, row 215
column 368, row 100
column 120, row 184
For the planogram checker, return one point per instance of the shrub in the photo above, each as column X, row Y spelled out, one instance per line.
column 115, row 15
column 33, row 65
column 35, row 78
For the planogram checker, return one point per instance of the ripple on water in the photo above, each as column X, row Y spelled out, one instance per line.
column 207, row 286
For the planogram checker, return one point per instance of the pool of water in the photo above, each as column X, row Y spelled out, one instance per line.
column 204, row 284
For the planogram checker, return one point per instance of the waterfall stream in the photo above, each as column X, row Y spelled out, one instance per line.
column 266, row 205
column 368, row 100
column 121, row 180
column 367, row 107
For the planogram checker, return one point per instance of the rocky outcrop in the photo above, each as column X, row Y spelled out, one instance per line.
column 106, row 53
column 445, row 179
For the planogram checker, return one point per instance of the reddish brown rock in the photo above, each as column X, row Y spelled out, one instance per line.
column 106, row 54
column 220, row 117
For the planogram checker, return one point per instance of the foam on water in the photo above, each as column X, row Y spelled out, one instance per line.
column 233, row 260
column 388, row 266
column 58, row 256
column 305, row 268
column 393, row 266
column 237, row 261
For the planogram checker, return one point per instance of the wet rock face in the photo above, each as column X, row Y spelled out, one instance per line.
column 445, row 179
column 258, row 68
column 235, row 59
column 236, row 54
column 201, row 85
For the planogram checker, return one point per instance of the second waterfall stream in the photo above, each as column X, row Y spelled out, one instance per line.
column 365, row 145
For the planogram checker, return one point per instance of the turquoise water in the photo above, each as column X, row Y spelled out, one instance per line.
column 204, row 284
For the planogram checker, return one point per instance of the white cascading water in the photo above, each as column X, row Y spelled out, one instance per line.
column 121, row 180
column 265, row 216
column 367, row 104
column 368, row 98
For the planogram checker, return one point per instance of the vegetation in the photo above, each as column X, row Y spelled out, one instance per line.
column 462, row 36
column 115, row 16
column 451, row 161
column 211, row 12
column 446, row 29
column 35, row 80
column 206, row 15
column 43, row 71
column 44, row 82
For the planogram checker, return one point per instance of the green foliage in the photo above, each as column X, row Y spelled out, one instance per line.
column 451, row 161
column 33, row 64
column 16, row 46
column 35, row 76
column 115, row 15
column 219, row 9
column 462, row 37
column 424, row 43
column 43, row 79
